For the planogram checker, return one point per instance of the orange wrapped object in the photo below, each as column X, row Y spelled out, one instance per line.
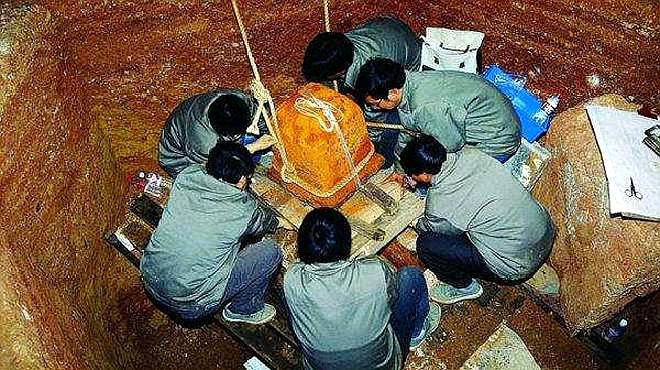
column 323, row 146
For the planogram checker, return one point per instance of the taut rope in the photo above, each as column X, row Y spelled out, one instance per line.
column 261, row 93
column 326, row 19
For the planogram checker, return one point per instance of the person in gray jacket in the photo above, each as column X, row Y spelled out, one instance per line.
column 458, row 109
column 339, row 56
column 199, row 122
column 479, row 222
column 194, row 264
column 353, row 313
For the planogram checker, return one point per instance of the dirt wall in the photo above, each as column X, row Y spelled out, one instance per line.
column 140, row 58
column 59, row 191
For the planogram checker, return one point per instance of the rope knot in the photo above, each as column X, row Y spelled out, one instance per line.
column 327, row 115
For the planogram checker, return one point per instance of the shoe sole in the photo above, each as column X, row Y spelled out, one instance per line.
column 263, row 321
column 429, row 331
column 461, row 298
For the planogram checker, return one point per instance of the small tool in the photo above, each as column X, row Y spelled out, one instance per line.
column 632, row 192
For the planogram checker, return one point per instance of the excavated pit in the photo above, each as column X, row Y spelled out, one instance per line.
column 86, row 87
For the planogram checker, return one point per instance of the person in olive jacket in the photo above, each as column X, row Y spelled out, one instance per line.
column 202, row 120
column 353, row 313
column 458, row 109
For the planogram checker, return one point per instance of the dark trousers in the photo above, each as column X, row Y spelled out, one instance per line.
column 453, row 259
column 251, row 275
column 411, row 307
column 385, row 140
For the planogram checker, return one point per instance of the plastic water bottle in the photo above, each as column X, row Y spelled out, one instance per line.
column 547, row 109
column 615, row 331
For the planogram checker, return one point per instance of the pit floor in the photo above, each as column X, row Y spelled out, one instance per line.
column 463, row 328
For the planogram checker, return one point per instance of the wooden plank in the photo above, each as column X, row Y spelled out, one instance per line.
column 147, row 209
column 275, row 296
column 279, row 199
column 411, row 207
column 130, row 253
column 264, row 340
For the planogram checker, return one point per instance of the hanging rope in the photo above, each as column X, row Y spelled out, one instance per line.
column 253, row 64
column 326, row 19
column 326, row 14
column 263, row 97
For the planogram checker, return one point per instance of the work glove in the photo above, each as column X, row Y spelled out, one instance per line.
column 262, row 143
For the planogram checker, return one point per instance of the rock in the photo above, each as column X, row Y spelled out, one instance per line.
column 503, row 350
column 545, row 280
column 602, row 262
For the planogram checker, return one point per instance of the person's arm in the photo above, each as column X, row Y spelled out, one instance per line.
column 263, row 221
column 444, row 122
column 262, row 143
column 435, row 224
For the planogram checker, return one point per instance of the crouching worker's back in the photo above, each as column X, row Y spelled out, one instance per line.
column 352, row 314
column 194, row 264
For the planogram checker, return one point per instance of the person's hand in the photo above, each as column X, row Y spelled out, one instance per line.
column 403, row 180
column 396, row 177
column 262, row 143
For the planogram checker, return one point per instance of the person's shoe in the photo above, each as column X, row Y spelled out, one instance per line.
column 430, row 324
column 447, row 294
column 260, row 317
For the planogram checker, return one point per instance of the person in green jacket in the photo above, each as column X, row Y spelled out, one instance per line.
column 458, row 109
column 205, row 252
column 479, row 222
column 353, row 313
column 199, row 122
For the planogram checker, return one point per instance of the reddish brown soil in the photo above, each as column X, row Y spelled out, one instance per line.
column 113, row 70
column 139, row 61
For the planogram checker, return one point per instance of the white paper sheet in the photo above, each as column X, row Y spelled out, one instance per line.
column 619, row 135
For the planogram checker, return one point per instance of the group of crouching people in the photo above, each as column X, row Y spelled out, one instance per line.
column 209, row 255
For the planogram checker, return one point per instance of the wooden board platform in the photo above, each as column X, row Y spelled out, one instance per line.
column 357, row 208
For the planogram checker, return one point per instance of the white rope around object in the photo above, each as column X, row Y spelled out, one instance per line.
column 310, row 106
column 328, row 120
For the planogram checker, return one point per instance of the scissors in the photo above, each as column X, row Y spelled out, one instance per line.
column 632, row 192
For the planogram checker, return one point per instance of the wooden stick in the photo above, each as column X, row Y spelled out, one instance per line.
column 388, row 126
column 381, row 198
column 370, row 231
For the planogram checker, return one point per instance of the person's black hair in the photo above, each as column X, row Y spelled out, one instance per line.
column 229, row 161
column 324, row 236
column 229, row 115
column 328, row 54
column 424, row 154
column 377, row 77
